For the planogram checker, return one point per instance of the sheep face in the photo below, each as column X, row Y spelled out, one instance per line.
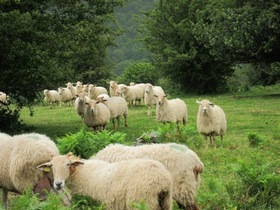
column 160, row 99
column 62, row 167
column 205, row 106
column 148, row 88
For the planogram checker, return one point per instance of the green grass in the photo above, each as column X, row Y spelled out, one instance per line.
column 232, row 170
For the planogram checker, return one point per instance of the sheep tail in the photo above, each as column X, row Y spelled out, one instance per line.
column 198, row 169
column 164, row 200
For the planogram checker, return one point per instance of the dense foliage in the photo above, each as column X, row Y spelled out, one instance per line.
column 197, row 43
column 46, row 43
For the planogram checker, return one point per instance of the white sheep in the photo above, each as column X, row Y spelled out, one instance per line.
column 118, row 107
column 72, row 89
column 211, row 121
column 183, row 164
column 19, row 156
column 96, row 115
column 171, row 111
column 117, row 185
column 94, row 91
column 79, row 88
column 131, row 93
column 80, row 103
column 113, row 87
column 66, row 95
column 150, row 99
column 4, row 99
column 52, row 96
column 102, row 96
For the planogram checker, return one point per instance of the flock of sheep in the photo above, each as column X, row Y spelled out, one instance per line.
column 97, row 107
column 118, row 175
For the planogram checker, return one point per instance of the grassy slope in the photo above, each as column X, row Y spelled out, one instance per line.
column 256, row 112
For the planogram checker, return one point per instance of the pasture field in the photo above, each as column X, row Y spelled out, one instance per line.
column 241, row 173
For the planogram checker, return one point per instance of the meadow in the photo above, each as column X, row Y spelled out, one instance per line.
column 241, row 173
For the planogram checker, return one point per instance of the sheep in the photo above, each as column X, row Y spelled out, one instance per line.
column 66, row 95
column 113, row 87
column 102, row 96
column 117, row 185
column 183, row 164
column 72, row 89
column 150, row 91
column 94, row 91
column 131, row 93
column 80, row 102
column 20, row 154
column 4, row 99
column 118, row 107
column 52, row 96
column 171, row 111
column 79, row 88
column 96, row 115
column 211, row 121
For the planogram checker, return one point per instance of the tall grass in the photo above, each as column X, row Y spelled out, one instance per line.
column 241, row 173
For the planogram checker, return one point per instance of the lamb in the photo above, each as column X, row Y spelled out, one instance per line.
column 118, row 185
column 131, row 93
column 211, row 121
column 52, row 96
column 150, row 91
column 96, row 115
column 183, row 164
column 118, row 107
column 171, row 111
column 94, row 91
column 19, row 156
column 80, row 103
column 66, row 95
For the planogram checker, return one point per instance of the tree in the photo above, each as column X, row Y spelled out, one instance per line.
column 196, row 43
column 47, row 43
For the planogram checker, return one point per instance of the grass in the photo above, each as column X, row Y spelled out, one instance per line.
column 232, row 170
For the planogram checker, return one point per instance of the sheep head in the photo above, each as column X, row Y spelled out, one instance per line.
column 62, row 167
column 205, row 105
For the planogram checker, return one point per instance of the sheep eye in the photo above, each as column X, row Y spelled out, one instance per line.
column 68, row 164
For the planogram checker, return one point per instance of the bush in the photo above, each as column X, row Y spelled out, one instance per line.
column 85, row 143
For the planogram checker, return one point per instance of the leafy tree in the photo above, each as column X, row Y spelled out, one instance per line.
column 139, row 72
column 47, row 43
column 196, row 43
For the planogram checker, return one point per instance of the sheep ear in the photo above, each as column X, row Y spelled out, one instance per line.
column 211, row 104
column 155, row 96
column 46, row 167
column 165, row 95
column 198, row 102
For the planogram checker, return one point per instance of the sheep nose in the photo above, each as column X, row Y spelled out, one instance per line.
column 58, row 183
column 204, row 110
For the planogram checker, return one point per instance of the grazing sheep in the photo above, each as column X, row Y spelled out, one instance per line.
column 171, row 111
column 19, row 157
column 183, row 164
column 118, row 107
column 117, row 185
column 52, row 96
column 66, row 95
column 131, row 93
column 150, row 91
column 211, row 121
column 96, row 115
column 94, row 91
column 4, row 99
column 80, row 103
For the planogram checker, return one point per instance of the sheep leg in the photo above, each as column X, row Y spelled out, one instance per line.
column 125, row 120
column 113, row 121
column 5, row 198
column 119, row 121
column 206, row 142
column 149, row 110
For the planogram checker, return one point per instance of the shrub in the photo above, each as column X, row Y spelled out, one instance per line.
column 85, row 143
